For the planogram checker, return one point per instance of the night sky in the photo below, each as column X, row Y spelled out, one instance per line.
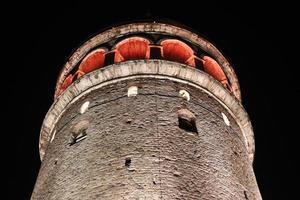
column 258, row 40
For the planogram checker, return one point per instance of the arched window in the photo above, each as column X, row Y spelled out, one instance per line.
column 92, row 61
column 175, row 50
column 132, row 49
column 213, row 68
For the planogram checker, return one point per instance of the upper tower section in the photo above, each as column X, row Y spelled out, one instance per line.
column 151, row 49
column 148, row 41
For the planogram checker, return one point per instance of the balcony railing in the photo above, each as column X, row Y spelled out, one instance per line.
column 139, row 48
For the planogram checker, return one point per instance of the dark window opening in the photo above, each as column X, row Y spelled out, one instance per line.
column 187, row 125
column 155, row 52
column 187, row 121
column 199, row 64
column 75, row 77
column 74, row 70
column 109, row 58
column 245, row 194
column 127, row 162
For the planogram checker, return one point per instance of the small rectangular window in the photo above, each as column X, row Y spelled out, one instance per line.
column 109, row 58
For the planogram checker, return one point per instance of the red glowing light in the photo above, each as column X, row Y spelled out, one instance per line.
column 92, row 61
column 132, row 49
column 175, row 50
column 213, row 68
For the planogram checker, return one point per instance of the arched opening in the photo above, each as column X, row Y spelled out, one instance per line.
column 133, row 48
column 213, row 68
column 175, row 50
column 92, row 61
column 187, row 121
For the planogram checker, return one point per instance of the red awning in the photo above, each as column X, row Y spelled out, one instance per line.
column 213, row 68
column 132, row 49
column 67, row 82
column 175, row 50
column 92, row 61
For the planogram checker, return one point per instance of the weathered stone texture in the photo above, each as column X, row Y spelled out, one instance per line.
column 159, row 69
column 134, row 148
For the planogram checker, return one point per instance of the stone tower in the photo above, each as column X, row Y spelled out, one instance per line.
column 146, row 111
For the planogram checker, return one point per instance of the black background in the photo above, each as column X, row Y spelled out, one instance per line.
column 259, row 40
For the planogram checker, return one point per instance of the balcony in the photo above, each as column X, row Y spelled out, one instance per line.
column 145, row 48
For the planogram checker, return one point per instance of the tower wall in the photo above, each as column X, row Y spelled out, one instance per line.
column 134, row 147
column 128, row 123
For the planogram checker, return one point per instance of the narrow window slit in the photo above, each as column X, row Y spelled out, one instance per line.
column 127, row 162
column 245, row 194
